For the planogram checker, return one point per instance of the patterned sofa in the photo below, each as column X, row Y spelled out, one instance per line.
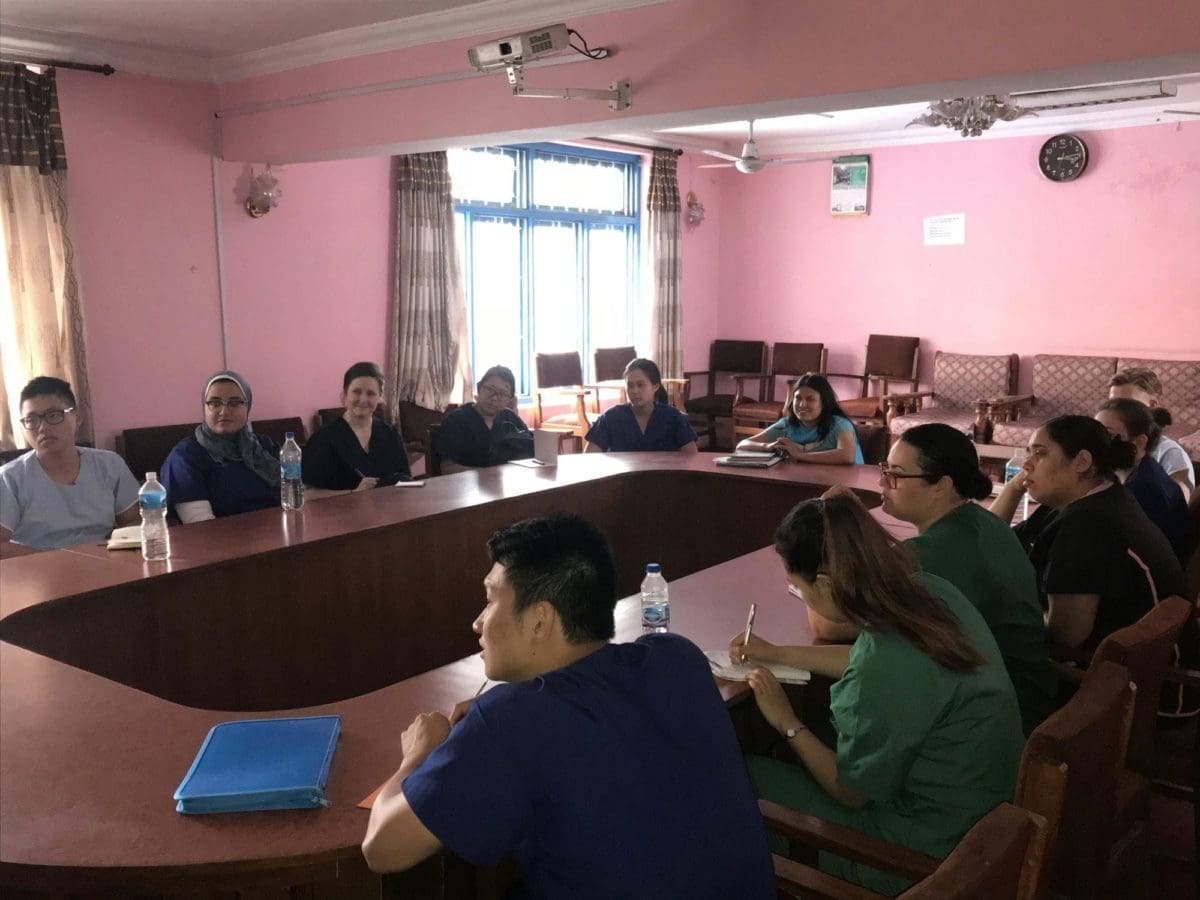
column 962, row 384
column 1079, row 384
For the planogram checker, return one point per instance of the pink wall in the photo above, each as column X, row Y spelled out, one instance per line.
column 701, row 249
column 308, row 284
column 1105, row 265
column 703, row 54
column 141, row 215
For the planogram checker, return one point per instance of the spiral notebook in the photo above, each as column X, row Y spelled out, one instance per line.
column 261, row 764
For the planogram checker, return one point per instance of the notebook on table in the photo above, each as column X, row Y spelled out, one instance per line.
column 718, row 661
column 753, row 459
column 261, row 764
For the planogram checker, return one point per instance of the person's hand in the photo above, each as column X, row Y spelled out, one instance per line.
column 772, row 701
column 423, row 735
column 366, row 484
column 460, row 709
column 788, row 446
column 1017, row 482
column 756, row 649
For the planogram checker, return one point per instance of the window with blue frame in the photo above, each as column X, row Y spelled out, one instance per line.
column 549, row 239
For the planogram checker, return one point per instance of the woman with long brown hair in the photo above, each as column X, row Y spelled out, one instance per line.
column 928, row 730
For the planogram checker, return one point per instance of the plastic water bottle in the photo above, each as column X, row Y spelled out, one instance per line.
column 656, row 605
column 291, row 488
column 152, row 501
column 1011, row 468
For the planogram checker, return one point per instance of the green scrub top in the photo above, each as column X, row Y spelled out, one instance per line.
column 980, row 555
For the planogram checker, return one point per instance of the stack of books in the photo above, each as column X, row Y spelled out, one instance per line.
column 753, row 459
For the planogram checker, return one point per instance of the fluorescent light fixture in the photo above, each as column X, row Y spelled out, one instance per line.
column 1093, row 96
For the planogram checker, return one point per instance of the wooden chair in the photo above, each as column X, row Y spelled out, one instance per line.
column 414, row 423
column 889, row 358
column 561, row 375
column 608, row 365
column 1000, row 858
column 789, row 362
column 323, row 417
column 728, row 358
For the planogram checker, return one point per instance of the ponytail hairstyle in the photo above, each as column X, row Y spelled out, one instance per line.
column 871, row 580
column 829, row 403
column 945, row 451
column 1074, row 434
column 650, row 370
column 1139, row 419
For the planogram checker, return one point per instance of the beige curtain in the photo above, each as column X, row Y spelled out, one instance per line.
column 41, row 315
column 428, row 359
column 662, row 221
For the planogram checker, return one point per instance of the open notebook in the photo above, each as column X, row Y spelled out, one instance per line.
column 127, row 538
column 718, row 661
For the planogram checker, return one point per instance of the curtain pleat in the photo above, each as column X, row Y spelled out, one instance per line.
column 428, row 357
column 663, row 224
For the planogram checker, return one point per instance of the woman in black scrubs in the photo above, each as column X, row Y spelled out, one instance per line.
column 357, row 452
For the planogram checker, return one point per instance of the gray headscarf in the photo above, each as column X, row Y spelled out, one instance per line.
column 242, row 446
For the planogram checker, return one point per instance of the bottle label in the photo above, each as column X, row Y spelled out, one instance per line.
column 290, row 471
column 656, row 615
column 152, row 501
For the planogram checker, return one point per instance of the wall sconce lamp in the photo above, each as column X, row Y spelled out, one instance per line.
column 264, row 193
column 695, row 210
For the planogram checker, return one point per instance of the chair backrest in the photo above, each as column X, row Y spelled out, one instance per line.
column 146, row 449
column 999, row 858
column 960, row 379
column 1181, row 388
column 892, row 356
column 1192, row 572
column 1146, row 649
column 1074, row 385
column 414, row 422
column 1089, row 735
column 737, row 356
column 792, row 360
column 433, row 458
column 323, row 417
column 558, row 369
column 610, row 362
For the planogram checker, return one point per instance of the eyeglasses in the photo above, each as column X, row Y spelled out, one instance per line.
column 890, row 478
column 233, row 403
column 51, row 417
column 493, row 393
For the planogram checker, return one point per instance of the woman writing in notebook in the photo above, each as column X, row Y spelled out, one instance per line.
column 813, row 428
column 928, row 734
column 647, row 421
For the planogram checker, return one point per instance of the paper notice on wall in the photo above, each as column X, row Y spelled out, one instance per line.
column 942, row 231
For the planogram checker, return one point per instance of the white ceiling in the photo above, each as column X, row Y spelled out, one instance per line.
column 222, row 40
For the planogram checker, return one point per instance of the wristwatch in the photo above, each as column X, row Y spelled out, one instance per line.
column 792, row 732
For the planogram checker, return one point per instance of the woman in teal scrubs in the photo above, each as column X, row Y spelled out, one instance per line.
column 928, row 731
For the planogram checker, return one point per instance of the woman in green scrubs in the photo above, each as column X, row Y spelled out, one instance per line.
column 928, row 730
column 930, row 479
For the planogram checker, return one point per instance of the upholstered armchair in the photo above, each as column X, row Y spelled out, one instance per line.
column 1061, row 385
column 788, row 362
column 962, row 384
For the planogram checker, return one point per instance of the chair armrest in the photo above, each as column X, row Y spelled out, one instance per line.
column 565, row 391
column 1180, row 675
column 696, row 373
column 909, row 396
column 813, row 883
column 822, row 835
column 739, row 393
column 857, row 375
column 1009, row 400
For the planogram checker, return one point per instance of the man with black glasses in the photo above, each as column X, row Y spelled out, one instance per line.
column 61, row 494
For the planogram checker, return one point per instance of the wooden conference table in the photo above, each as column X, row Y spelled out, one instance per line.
column 112, row 669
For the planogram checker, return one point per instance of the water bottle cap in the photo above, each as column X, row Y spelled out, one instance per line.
column 152, row 476
column 288, row 435
column 653, row 568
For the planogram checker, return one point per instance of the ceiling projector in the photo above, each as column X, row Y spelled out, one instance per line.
column 520, row 48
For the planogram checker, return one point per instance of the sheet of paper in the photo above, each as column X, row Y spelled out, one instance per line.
column 718, row 661
column 127, row 538
column 368, row 802
column 944, row 231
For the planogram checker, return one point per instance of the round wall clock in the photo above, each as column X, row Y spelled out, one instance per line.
column 1063, row 157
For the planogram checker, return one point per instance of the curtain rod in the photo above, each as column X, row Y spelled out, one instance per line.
column 601, row 140
column 102, row 69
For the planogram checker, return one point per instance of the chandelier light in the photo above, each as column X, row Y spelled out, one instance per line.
column 971, row 116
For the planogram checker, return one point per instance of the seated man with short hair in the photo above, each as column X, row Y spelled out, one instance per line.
column 605, row 770
column 59, row 494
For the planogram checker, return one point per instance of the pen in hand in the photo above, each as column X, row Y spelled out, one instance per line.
column 749, row 627
column 481, row 687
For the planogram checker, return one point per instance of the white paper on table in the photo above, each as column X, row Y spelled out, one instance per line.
column 718, row 661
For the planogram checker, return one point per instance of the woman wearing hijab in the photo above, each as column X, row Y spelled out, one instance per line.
column 224, row 468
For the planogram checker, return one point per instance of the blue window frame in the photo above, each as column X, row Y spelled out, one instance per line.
column 550, row 243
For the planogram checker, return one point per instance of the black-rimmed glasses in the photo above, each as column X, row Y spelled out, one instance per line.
column 33, row 421
column 216, row 403
column 502, row 396
column 890, row 478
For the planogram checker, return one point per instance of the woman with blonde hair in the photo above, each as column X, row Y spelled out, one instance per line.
column 928, row 730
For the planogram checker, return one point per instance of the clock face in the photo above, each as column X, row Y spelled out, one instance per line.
column 1063, row 157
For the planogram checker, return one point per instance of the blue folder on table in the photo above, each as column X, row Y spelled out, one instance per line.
column 259, row 764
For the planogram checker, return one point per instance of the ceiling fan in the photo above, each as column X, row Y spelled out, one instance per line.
column 750, row 162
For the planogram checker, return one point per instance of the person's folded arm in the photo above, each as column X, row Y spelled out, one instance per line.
column 1071, row 617
column 131, row 515
column 194, row 511
column 689, row 447
column 5, row 535
column 843, row 454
